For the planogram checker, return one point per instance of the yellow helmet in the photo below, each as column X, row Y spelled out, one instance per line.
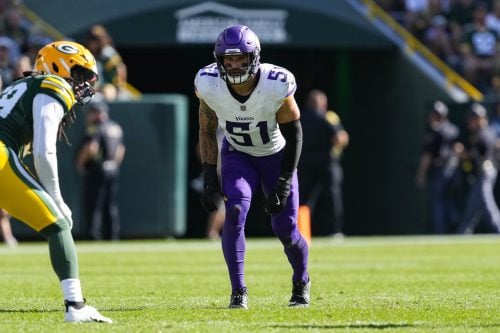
column 73, row 62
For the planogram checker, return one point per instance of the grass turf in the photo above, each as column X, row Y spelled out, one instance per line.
column 389, row 284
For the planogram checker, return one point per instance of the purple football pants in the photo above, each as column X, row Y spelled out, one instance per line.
column 241, row 175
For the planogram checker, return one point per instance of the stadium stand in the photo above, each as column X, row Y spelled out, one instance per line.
column 463, row 33
column 22, row 33
column 20, row 39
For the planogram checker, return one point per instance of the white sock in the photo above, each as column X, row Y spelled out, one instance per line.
column 72, row 290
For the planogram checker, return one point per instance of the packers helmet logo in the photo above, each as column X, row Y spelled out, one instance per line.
column 67, row 48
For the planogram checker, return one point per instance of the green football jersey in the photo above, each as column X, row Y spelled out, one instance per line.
column 16, row 106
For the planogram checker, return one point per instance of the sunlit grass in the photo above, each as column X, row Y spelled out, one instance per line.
column 390, row 284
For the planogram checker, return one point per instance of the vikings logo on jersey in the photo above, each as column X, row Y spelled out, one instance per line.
column 251, row 126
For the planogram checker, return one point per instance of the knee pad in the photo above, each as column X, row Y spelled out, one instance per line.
column 290, row 241
column 234, row 211
column 287, row 242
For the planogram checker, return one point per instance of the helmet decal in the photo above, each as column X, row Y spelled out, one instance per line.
column 67, row 48
column 65, row 65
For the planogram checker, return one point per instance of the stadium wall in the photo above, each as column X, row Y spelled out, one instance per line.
column 152, row 193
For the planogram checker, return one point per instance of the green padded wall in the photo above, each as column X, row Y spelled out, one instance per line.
column 152, row 193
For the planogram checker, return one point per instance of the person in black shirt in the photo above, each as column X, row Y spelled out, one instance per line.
column 320, row 171
column 478, row 154
column 99, row 159
column 438, row 168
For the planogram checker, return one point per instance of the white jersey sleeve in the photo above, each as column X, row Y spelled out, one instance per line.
column 47, row 115
column 251, row 126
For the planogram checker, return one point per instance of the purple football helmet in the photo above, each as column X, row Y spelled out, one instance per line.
column 238, row 40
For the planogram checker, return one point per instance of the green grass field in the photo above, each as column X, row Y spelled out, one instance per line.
column 389, row 284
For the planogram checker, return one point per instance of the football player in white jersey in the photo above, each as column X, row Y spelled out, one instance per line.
column 255, row 106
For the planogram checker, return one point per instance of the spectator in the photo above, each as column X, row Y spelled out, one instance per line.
column 396, row 8
column 438, row 40
column 320, row 171
column 493, row 18
column 479, row 49
column 438, row 168
column 416, row 18
column 98, row 159
column 17, row 27
column 112, row 70
column 6, row 230
column 478, row 154
column 36, row 41
column 460, row 14
column 7, row 48
column 21, row 66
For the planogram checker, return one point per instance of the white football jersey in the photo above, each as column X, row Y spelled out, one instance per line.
column 251, row 126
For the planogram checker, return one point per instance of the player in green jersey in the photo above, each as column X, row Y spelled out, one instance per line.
column 33, row 112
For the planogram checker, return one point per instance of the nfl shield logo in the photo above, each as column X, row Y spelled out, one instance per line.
column 243, row 107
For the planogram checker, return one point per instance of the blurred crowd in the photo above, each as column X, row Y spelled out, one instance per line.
column 20, row 40
column 463, row 33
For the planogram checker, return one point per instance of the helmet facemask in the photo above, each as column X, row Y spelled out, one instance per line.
column 83, row 81
column 246, row 72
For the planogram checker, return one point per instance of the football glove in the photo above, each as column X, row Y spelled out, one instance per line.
column 211, row 195
column 276, row 201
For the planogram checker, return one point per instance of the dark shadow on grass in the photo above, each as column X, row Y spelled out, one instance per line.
column 486, row 325
column 62, row 309
column 28, row 311
column 381, row 326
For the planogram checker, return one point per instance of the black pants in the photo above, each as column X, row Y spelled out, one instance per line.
column 320, row 188
column 101, row 207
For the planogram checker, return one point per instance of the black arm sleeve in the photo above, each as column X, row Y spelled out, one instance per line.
column 210, row 178
column 292, row 132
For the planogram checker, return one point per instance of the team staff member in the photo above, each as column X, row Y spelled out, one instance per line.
column 438, row 167
column 254, row 104
column 99, row 158
column 320, row 171
column 33, row 112
column 478, row 153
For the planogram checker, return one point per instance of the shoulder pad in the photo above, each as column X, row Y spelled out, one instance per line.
column 285, row 80
column 209, row 71
column 59, row 88
column 204, row 79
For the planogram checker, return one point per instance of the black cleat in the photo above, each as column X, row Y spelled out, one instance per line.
column 300, row 295
column 239, row 299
